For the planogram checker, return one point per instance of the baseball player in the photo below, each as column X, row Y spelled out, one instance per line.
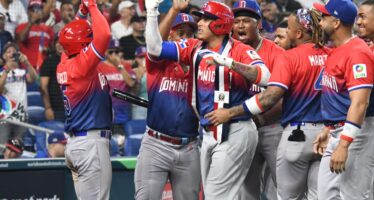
column 297, row 79
column 365, row 22
column 345, row 171
column 246, row 29
column 169, row 149
column 281, row 36
column 227, row 149
column 87, row 103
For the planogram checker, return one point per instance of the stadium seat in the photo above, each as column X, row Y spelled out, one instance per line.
column 135, row 130
column 34, row 98
column 41, row 138
column 35, row 114
column 33, row 87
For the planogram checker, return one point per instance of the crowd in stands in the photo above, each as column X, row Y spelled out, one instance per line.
column 31, row 52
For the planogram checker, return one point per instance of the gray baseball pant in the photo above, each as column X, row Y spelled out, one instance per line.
column 356, row 182
column 159, row 160
column 224, row 166
column 89, row 161
column 297, row 165
column 266, row 151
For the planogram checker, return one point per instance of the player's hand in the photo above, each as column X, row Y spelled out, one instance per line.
column 83, row 10
column 88, row 2
column 23, row 58
column 49, row 114
column 222, row 60
column 218, row 116
column 321, row 141
column 339, row 157
column 179, row 5
column 152, row 7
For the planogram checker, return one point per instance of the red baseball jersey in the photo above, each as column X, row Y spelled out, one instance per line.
column 169, row 87
column 268, row 52
column 39, row 38
column 348, row 67
column 299, row 73
column 85, row 91
column 193, row 52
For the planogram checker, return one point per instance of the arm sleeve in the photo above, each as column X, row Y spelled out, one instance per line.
column 359, row 71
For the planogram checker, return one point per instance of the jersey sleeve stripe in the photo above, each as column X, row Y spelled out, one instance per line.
column 278, row 84
column 360, row 86
column 169, row 51
column 256, row 62
column 96, row 52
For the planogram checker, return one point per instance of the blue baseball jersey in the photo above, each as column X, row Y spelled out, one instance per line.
column 169, row 87
column 348, row 67
column 192, row 52
column 299, row 72
column 85, row 92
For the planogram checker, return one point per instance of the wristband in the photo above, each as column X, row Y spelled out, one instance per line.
column 253, row 106
column 350, row 131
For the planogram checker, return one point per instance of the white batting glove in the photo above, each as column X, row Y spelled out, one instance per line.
column 223, row 60
column 152, row 7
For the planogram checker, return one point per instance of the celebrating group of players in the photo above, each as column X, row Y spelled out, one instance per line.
column 314, row 120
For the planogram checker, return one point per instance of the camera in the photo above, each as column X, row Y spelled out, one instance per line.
column 16, row 56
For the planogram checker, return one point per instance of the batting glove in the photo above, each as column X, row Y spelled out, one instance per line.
column 223, row 60
column 152, row 7
column 83, row 11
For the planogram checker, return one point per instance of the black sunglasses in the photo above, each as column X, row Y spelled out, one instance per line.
column 113, row 51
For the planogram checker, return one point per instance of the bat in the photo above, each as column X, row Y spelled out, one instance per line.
column 130, row 98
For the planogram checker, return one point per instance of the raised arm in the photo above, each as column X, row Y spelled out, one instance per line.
column 100, row 28
column 165, row 24
column 152, row 33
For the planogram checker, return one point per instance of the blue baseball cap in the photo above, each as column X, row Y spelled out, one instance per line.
column 345, row 10
column 57, row 137
column 140, row 51
column 183, row 18
column 247, row 5
column 114, row 44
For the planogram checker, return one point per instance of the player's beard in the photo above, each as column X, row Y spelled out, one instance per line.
column 326, row 35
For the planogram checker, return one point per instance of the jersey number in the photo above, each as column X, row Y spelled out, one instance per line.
column 318, row 82
column 66, row 101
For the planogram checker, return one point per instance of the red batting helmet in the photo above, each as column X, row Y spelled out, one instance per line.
column 222, row 15
column 75, row 36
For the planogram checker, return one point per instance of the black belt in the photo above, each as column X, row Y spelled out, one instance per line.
column 170, row 139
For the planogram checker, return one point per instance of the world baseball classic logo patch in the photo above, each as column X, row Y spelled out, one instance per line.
column 359, row 71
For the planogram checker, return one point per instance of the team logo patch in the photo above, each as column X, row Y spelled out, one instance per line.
column 359, row 71
column 183, row 43
column 253, row 54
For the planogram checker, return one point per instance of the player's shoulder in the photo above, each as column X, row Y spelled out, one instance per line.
column 271, row 46
column 240, row 46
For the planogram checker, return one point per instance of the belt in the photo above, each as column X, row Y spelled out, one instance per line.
column 304, row 123
column 334, row 125
column 103, row 133
column 170, row 139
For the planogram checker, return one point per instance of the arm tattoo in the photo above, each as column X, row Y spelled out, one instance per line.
column 249, row 72
column 270, row 96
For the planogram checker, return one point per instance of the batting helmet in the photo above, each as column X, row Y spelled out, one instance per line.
column 75, row 36
column 222, row 15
